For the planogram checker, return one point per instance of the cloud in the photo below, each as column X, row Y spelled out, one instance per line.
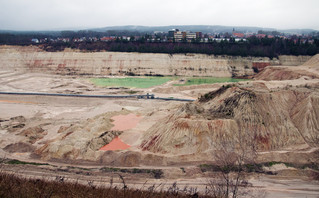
column 53, row 14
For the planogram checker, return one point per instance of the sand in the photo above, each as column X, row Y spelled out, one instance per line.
column 125, row 122
column 15, row 101
column 115, row 144
column 121, row 123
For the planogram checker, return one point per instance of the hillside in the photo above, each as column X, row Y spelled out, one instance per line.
column 272, row 119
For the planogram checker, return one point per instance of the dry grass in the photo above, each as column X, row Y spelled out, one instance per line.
column 13, row 186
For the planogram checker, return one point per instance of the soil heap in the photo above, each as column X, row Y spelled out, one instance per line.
column 309, row 70
column 272, row 119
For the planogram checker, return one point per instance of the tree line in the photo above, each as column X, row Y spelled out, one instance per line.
column 253, row 46
column 256, row 47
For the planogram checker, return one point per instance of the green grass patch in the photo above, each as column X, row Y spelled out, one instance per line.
column 24, row 163
column 141, row 82
column 208, row 80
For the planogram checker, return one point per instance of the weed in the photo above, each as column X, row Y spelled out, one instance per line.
column 14, row 186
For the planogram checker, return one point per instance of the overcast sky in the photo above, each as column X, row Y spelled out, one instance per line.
column 67, row 14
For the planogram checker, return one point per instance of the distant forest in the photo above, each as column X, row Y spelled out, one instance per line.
column 253, row 46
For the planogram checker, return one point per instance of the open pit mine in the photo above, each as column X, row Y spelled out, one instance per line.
column 274, row 114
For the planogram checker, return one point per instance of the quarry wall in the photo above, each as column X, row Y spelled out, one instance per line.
column 68, row 62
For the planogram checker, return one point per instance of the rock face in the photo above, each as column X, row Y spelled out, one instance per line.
column 32, row 59
column 274, row 120
column 293, row 60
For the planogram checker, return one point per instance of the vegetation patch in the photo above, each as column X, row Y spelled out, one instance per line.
column 13, row 186
column 157, row 173
column 141, row 82
column 24, row 163
column 258, row 168
column 208, row 80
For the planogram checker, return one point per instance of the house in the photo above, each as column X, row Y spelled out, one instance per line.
column 35, row 40
column 238, row 35
column 107, row 39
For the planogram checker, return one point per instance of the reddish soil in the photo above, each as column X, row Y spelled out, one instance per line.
column 125, row 122
column 115, row 144
column 121, row 123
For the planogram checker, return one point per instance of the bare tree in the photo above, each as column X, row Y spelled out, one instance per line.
column 231, row 157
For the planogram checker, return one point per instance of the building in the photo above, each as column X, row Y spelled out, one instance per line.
column 190, row 36
column 199, row 35
column 35, row 40
column 238, row 35
column 184, row 36
column 106, row 39
column 172, row 32
column 178, row 36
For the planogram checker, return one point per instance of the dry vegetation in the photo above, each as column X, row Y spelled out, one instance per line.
column 13, row 186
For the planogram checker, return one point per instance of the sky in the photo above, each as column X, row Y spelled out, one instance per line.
column 82, row 14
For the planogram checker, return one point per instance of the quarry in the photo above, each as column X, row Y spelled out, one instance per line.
column 272, row 115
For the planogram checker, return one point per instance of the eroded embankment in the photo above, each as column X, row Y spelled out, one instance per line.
column 32, row 59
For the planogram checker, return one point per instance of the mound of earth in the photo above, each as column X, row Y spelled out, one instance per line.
column 81, row 141
column 14, row 124
column 309, row 69
column 19, row 147
column 313, row 62
column 33, row 134
column 269, row 119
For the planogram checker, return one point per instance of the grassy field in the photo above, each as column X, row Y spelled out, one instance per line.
column 147, row 82
column 208, row 80
column 144, row 82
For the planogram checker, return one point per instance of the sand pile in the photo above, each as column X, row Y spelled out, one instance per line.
column 313, row 62
column 121, row 123
column 285, row 73
column 125, row 122
column 82, row 140
column 88, row 140
column 115, row 144
column 309, row 69
column 19, row 147
column 33, row 134
column 271, row 119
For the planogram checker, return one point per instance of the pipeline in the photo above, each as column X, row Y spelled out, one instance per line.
column 147, row 96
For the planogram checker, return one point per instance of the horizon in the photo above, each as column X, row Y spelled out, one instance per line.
column 36, row 15
column 113, row 27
